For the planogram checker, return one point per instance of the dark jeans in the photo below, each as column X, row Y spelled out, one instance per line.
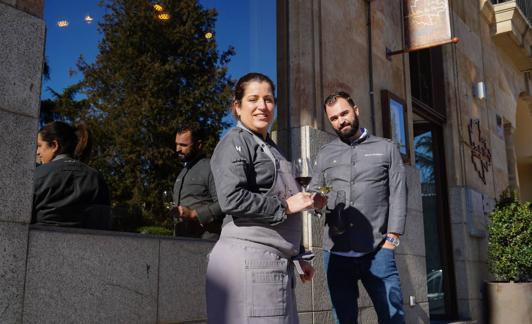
column 379, row 275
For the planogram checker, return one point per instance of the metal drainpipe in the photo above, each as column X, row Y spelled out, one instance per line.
column 370, row 69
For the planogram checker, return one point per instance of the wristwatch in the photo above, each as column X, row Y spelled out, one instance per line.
column 394, row 240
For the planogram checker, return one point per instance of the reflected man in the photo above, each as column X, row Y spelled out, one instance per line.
column 194, row 189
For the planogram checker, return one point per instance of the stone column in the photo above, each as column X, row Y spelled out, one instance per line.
column 22, row 33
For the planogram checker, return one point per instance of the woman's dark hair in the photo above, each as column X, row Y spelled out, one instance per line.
column 74, row 141
column 243, row 82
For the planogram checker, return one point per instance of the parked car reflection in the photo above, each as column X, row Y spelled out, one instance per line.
column 435, row 292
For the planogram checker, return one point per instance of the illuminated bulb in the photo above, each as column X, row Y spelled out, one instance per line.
column 163, row 16
column 63, row 23
column 158, row 7
column 88, row 19
column 208, row 35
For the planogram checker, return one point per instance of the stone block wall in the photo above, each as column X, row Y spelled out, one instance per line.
column 21, row 55
column 76, row 275
column 476, row 58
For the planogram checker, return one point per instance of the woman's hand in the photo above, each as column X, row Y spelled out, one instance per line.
column 299, row 202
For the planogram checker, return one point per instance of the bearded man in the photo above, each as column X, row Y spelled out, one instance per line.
column 366, row 214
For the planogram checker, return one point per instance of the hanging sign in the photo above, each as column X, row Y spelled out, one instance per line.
column 427, row 24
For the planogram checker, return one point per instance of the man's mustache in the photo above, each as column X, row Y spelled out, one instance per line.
column 342, row 125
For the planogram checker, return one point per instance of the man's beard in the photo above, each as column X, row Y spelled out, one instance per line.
column 350, row 133
column 188, row 157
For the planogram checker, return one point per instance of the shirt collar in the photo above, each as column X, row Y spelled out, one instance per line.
column 361, row 138
column 60, row 157
column 241, row 125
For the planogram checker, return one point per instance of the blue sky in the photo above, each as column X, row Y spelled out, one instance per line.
column 247, row 25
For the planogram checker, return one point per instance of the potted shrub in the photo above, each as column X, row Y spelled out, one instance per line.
column 510, row 261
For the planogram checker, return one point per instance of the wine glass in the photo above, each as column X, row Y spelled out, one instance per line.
column 171, row 206
column 168, row 200
column 302, row 172
column 324, row 189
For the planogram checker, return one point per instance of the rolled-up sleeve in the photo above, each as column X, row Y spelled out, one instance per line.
column 232, row 169
column 398, row 193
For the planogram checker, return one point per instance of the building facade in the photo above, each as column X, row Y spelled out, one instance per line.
column 467, row 120
column 467, row 110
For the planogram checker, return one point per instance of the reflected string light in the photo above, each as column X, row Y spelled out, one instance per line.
column 63, row 23
column 158, row 7
column 88, row 19
column 163, row 16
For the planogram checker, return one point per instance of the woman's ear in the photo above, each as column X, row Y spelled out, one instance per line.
column 54, row 146
column 236, row 108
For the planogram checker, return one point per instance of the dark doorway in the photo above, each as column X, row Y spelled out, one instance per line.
column 428, row 144
column 428, row 98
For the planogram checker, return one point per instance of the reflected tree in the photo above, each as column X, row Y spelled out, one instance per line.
column 152, row 74
column 424, row 157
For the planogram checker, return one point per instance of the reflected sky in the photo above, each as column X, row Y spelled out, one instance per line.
column 247, row 25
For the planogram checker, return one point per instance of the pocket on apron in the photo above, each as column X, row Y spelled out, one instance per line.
column 266, row 288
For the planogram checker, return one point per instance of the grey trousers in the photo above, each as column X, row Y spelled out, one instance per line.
column 249, row 283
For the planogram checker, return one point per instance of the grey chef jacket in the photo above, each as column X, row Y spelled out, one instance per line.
column 194, row 188
column 371, row 172
column 245, row 169
column 68, row 192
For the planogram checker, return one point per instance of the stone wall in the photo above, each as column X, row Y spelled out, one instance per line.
column 94, row 276
column 476, row 58
column 21, row 56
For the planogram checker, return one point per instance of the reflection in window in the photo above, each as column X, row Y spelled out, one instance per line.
column 424, row 153
column 134, row 71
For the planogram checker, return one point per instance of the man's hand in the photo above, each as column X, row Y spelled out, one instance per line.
column 187, row 213
column 308, row 270
column 320, row 200
column 389, row 245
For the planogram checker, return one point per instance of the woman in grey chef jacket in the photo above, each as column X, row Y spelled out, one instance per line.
column 250, row 273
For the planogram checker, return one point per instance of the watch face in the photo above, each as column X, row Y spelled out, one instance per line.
column 395, row 241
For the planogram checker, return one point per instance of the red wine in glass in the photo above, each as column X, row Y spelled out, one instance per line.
column 303, row 181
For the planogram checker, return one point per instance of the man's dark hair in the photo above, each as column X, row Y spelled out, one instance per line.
column 197, row 132
column 332, row 98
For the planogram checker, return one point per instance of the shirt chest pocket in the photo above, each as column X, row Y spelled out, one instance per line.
column 371, row 168
column 337, row 173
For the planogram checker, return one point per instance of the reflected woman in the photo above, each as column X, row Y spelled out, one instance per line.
column 67, row 192
column 250, row 273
